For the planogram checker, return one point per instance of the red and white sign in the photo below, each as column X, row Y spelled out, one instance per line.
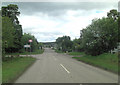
column 30, row 40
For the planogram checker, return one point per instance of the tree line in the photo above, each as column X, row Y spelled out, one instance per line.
column 13, row 39
column 101, row 36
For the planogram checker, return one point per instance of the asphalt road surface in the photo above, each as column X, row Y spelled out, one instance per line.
column 52, row 67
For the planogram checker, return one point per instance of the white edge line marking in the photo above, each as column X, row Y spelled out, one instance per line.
column 65, row 68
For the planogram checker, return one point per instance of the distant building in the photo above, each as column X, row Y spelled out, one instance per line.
column 49, row 44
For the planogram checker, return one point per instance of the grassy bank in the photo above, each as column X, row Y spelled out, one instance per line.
column 58, row 51
column 106, row 61
column 76, row 53
column 27, row 53
column 13, row 68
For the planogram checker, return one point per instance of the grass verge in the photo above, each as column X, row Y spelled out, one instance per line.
column 76, row 53
column 27, row 53
column 13, row 68
column 105, row 61
column 58, row 51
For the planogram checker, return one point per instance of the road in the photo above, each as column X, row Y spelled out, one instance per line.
column 52, row 67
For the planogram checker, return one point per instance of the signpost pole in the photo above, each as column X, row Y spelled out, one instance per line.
column 30, row 45
column 30, row 48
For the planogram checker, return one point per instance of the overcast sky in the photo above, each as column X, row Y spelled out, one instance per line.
column 49, row 20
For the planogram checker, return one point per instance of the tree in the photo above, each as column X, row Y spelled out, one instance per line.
column 113, row 14
column 40, row 45
column 76, row 45
column 25, row 40
column 8, row 31
column 17, row 39
column 119, row 27
column 0, row 32
column 64, row 43
column 100, row 36
column 11, row 11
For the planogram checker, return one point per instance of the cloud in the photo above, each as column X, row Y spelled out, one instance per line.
column 47, row 36
column 58, row 8
column 49, row 20
column 48, row 28
column 119, row 6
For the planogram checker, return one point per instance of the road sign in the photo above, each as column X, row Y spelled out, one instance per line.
column 27, row 46
column 30, row 40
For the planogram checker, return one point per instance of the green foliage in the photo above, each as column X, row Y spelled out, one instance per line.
column 39, row 51
column 25, row 41
column 118, row 27
column 100, row 36
column 17, row 39
column 76, row 45
column 12, row 30
column 8, row 31
column 58, row 51
column 12, row 12
column 40, row 45
column 113, row 14
column 13, row 38
column 64, row 43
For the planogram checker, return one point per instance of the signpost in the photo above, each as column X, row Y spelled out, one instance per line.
column 30, row 45
column 26, row 46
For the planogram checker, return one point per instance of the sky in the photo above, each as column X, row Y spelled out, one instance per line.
column 49, row 20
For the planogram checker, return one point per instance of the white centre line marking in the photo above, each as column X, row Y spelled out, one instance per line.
column 65, row 68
